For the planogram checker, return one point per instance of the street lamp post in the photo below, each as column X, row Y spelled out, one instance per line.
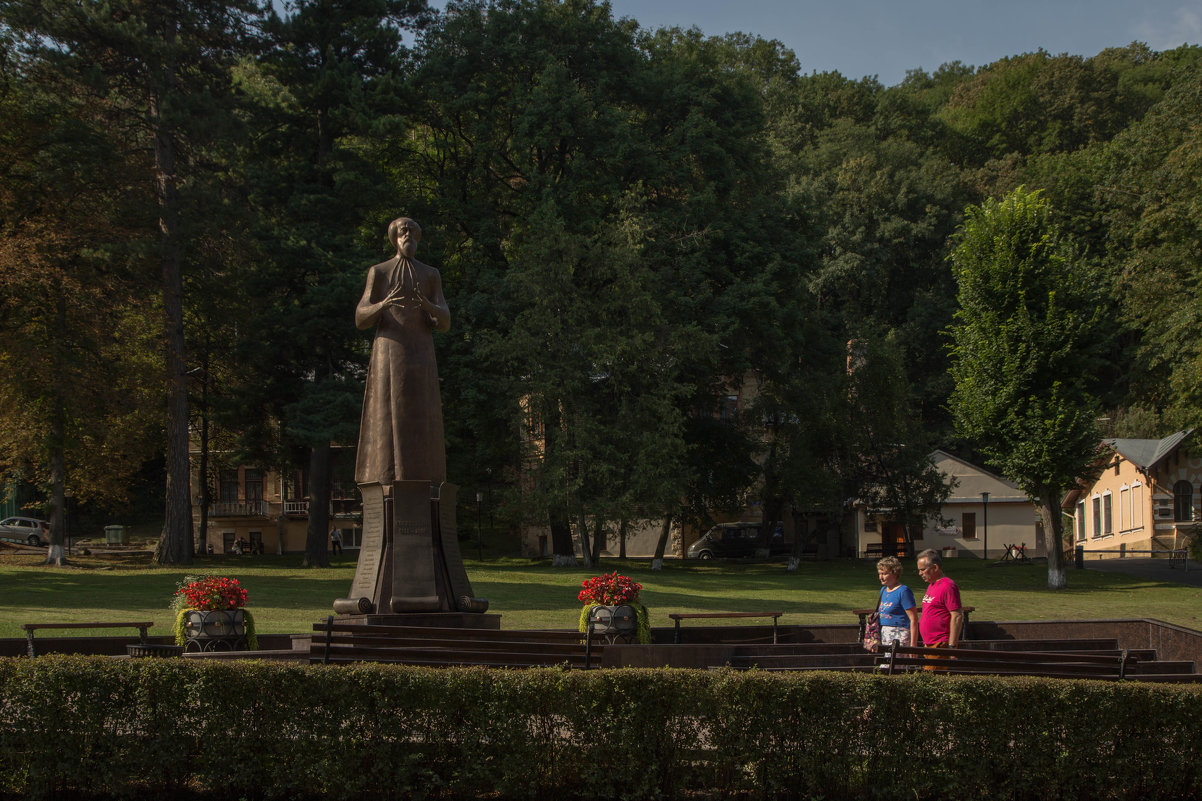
column 985, row 526
column 479, row 535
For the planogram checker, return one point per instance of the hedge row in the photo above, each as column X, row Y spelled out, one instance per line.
column 79, row 726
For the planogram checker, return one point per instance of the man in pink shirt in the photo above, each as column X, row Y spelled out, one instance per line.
column 942, row 617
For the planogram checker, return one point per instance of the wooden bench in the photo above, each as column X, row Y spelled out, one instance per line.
column 1037, row 656
column 864, row 613
column 1056, row 664
column 876, row 550
column 336, row 642
column 676, row 617
column 30, row 628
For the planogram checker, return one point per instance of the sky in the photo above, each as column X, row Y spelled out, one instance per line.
column 886, row 38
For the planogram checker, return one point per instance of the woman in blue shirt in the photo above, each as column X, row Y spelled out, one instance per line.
column 897, row 610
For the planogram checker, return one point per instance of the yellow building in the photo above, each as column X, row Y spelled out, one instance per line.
column 1145, row 500
column 265, row 511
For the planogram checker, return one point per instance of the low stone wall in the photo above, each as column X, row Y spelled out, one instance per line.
column 709, row 646
column 1172, row 642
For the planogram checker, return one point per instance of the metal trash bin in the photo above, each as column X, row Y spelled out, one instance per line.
column 116, row 535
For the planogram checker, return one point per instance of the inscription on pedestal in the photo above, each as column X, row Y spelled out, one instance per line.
column 460, row 586
column 413, row 585
column 371, row 548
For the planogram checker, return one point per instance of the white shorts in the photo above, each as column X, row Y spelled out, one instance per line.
column 894, row 634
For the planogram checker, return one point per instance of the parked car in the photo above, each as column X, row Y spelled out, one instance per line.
column 737, row 541
column 25, row 530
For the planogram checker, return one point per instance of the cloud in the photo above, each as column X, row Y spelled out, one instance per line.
column 1182, row 25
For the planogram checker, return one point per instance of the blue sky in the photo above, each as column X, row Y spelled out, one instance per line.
column 888, row 37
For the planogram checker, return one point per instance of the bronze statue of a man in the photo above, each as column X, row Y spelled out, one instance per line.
column 401, row 431
column 409, row 559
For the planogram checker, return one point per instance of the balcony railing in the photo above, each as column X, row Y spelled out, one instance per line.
column 238, row 509
column 338, row 508
column 300, row 508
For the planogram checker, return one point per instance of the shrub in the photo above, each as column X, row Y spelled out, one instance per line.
column 72, row 726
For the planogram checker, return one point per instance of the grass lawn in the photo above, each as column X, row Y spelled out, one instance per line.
column 288, row 598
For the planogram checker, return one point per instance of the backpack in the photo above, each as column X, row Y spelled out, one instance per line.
column 872, row 627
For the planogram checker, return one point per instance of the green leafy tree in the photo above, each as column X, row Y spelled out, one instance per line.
column 161, row 70
column 328, row 83
column 1151, row 196
column 1026, row 341
column 886, row 455
column 559, row 179
column 77, row 368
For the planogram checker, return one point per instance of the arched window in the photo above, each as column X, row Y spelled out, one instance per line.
column 1183, row 502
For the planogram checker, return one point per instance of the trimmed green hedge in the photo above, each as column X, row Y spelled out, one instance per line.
column 72, row 726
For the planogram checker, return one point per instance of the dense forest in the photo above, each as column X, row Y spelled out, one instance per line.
column 632, row 225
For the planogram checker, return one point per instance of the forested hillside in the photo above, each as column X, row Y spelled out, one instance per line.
column 631, row 225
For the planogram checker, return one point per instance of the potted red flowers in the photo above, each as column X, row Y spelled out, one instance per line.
column 612, row 608
column 211, row 616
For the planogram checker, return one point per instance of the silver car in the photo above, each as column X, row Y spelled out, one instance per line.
column 27, row 530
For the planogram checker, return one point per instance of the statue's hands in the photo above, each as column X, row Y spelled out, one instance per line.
column 398, row 297
column 429, row 308
column 424, row 302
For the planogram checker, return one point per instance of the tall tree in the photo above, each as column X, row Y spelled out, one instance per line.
column 77, row 377
column 1026, row 342
column 886, row 460
column 570, row 158
column 1155, row 225
column 164, row 68
column 327, row 86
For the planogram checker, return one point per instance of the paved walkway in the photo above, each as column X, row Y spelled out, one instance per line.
column 1155, row 569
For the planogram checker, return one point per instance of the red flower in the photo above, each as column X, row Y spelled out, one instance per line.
column 214, row 592
column 609, row 590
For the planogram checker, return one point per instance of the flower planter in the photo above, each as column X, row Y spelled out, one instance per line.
column 215, row 630
column 613, row 622
column 612, row 610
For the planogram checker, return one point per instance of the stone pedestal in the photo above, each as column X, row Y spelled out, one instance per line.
column 409, row 560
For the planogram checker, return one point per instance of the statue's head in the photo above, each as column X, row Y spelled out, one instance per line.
column 404, row 234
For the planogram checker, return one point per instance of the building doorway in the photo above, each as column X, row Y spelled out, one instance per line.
column 894, row 541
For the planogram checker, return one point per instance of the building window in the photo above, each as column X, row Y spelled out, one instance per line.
column 729, row 410
column 968, row 524
column 1183, row 502
column 1080, row 521
column 1107, row 516
column 254, row 485
column 1137, row 506
column 1097, row 516
column 229, row 486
